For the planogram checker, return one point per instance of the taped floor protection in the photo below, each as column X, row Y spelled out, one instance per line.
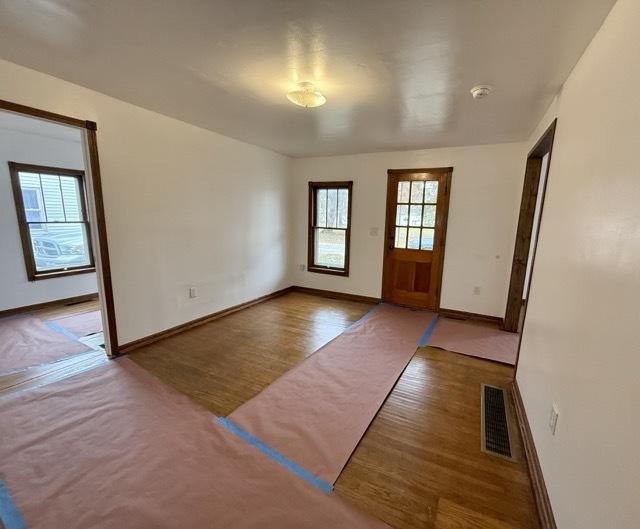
column 315, row 414
column 115, row 448
column 474, row 339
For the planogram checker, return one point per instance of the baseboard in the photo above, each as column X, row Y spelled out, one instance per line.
column 335, row 295
column 540, row 495
column 462, row 315
column 141, row 342
column 47, row 304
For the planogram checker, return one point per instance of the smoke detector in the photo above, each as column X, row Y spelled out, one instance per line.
column 481, row 91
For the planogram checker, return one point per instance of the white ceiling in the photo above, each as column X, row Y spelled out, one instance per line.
column 396, row 73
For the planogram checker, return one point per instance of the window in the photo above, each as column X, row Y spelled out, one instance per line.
column 416, row 214
column 52, row 216
column 329, row 227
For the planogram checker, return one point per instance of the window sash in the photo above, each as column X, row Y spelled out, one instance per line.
column 79, row 218
column 335, row 217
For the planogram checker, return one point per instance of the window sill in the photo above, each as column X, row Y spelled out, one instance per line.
column 62, row 273
column 330, row 271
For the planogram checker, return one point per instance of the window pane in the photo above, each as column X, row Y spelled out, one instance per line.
column 330, row 247
column 429, row 216
column 427, row 239
column 401, row 238
column 71, row 198
column 343, row 206
column 32, row 200
column 332, row 208
column 413, row 240
column 431, row 191
column 52, row 197
column 31, row 197
column 402, row 215
column 415, row 215
column 59, row 245
column 403, row 192
column 321, row 208
column 417, row 190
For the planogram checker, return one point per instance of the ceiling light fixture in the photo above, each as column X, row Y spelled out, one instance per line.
column 306, row 95
column 481, row 91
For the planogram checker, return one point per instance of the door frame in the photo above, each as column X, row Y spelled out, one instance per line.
column 96, row 205
column 522, row 246
column 447, row 172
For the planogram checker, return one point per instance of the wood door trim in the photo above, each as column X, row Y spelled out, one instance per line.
column 447, row 174
column 525, row 225
column 105, row 267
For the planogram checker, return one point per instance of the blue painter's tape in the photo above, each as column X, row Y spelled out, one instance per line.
column 57, row 328
column 424, row 339
column 9, row 513
column 321, row 484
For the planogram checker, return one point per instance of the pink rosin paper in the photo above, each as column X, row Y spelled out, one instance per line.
column 316, row 414
column 114, row 448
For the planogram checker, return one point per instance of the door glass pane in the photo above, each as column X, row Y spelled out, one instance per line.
column 321, row 208
column 417, row 190
column 402, row 215
column 431, row 192
column 58, row 246
column 401, row 238
column 427, row 239
column 403, row 192
column 343, row 202
column 429, row 216
column 415, row 214
column 71, row 198
column 330, row 247
column 332, row 208
column 413, row 239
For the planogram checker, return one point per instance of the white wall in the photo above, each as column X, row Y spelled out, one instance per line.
column 485, row 197
column 15, row 289
column 581, row 347
column 184, row 207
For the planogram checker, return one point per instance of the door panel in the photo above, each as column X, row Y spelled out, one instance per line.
column 417, row 204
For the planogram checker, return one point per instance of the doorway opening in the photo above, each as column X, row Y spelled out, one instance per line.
column 531, row 207
column 415, row 232
column 57, row 307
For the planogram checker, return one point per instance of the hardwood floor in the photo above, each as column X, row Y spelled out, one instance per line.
column 419, row 465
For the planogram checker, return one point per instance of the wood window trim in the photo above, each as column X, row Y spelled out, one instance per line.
column 29, row 259
column 311, row 266
column 89, row 129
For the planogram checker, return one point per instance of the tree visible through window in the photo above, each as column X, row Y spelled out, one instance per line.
column 52, row 216
column 329, row 227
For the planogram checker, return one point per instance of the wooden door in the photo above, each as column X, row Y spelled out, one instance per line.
column 417, row 206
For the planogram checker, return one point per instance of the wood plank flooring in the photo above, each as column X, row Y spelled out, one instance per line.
column 418, row 466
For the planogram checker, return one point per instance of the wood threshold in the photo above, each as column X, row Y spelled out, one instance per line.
column 47, row 304
column 462, row 315
column 540, row 495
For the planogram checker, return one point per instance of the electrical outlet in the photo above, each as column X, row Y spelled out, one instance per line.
column 192, row 292
column 476, row 291
column 553, row 419
column 302, row 267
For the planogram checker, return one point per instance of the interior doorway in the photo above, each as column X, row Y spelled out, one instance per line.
column 57, row 304
column 531, row 206
column 415, row 231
